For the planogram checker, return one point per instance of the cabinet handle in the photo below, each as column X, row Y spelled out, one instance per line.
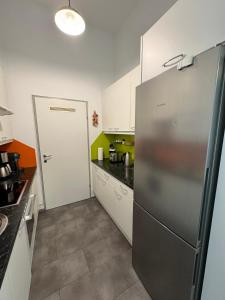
column 132, row 127
column 173, row 61
column 106, row 177
column 22, row 224
column 118, row 196
column 101, row 180
column 31, row 204
column 124, row 191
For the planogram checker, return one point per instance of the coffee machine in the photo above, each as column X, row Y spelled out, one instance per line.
column 5, row 168
column 14, row 162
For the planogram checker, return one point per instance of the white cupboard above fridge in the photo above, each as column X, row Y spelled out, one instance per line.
column 189, row 27
column 119, row 103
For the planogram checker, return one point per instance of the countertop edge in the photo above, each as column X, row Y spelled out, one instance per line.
column 95, row 162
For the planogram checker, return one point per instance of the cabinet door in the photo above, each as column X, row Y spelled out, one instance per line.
column 116, row 106
column 124, row 216
column 20, row 267
column 16, row 284
column 5, row 129
column 189, row 27
column 6, row 289
column 99, row 185
column 108, row 109
column 2, row 87
column 135, row 80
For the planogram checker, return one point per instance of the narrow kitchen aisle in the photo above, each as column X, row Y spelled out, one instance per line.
column 80, row 254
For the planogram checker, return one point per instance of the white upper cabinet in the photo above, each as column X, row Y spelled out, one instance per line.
column 5, row 130
column 5, row 119
column 3, row 101
column 116, row 106
column 189, row 27
column 135, row 80
column 119, row 103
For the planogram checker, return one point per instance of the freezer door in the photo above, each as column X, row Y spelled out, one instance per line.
column 163, row 261
column 174, row 126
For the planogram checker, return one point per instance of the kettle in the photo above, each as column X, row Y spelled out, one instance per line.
column 127, row 159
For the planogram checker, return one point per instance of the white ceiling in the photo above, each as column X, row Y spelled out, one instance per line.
column 107, row 15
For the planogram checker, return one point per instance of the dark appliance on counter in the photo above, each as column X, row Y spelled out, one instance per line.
column 114, row 156
column 14, row 162
column 11, row 191
column 112, row 153
column 179, row 133
column 5, row 168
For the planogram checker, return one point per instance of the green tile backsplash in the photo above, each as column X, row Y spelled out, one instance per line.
column 104, row 140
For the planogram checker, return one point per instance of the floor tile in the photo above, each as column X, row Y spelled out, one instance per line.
column 46, row 252
column 82, row 289
column 104, row 283
column 112, row 278
column 51, row 277
column 54, row 296
column 136, row 292
column 104, row 251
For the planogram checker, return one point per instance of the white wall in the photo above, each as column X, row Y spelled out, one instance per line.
column 40, row 60
column 214, row 281
column 127, row 41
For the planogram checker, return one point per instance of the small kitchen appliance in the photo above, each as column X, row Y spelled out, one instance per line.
column 112, row 154
column 14, row 162
column 5, row 169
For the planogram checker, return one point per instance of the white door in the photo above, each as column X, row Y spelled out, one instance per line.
column 63, row 139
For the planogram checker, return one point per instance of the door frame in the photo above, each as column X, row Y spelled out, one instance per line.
column 38, row 141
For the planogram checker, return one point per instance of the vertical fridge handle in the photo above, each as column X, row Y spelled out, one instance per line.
column 204, row 207
column 195, row 276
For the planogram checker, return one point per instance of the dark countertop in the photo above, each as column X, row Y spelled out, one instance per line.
column 117, row 170
column 14, row 214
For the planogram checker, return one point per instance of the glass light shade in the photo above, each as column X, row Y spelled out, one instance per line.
column 69, row 21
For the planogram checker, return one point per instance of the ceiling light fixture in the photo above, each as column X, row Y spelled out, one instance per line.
column 69, row 21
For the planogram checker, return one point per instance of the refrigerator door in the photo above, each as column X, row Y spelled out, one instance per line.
column 163, row 261
column 175, row 126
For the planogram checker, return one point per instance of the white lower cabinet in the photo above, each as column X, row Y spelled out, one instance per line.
column 16, row 284
column 116, row 198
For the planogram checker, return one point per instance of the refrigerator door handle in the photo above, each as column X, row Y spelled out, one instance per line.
column 195, row 273
column 204, row 207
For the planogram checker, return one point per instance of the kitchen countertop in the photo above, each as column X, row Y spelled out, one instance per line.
column 117, row 170
column 14, row 214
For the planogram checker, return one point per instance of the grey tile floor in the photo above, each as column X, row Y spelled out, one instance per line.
column 81, row 255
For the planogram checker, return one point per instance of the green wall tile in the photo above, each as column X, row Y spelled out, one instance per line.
column 104, row 140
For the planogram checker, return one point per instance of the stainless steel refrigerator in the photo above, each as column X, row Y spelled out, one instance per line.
column 179, row 129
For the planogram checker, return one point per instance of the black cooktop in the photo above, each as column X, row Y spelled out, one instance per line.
column 10, row 191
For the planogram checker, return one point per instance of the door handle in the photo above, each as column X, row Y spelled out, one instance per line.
column 47, row 157
column 29, row 215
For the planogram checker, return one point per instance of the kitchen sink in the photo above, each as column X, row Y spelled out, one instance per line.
column 3, row 223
